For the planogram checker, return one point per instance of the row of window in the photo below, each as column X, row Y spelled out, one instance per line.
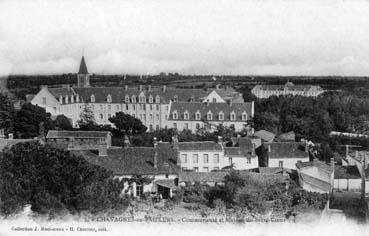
column 128, row 99
column 64, row 100
column 195, row 158
column 204, row 169
column 209, row 115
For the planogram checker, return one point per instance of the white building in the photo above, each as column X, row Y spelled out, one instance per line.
column 152, row 105
column 265, row 91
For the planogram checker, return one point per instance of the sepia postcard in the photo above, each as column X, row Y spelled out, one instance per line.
column 184, row 117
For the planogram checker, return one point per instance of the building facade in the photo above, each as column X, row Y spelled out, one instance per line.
column 154, row 106
column 265, row 91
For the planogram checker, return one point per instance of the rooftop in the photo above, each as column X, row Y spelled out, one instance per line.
column 199, row 146
column 287, row 150
column 76, row 134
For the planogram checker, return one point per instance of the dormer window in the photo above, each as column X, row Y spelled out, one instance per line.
column 108, row 98
column 127, row 99
column 209, row 115
column 244, row 116
column 157, row 99
column 66, row 99
column 221, row 116
column 133, row 99
column 186, row 115
column 175, row 99
column 77, row 98
column 61, row 100
column 233, row 115
column 151, row 99
column 143, row 99
column 198, row 115
column 92, row 98
column 175, row 115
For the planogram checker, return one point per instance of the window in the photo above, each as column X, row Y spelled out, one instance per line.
column 184, row 158
column 205, row 169
column 175, row 115
column 127, row 99
column 196, row 169
column 109, row 107
column 157, row 99
column 195, row 158
column 44, row 100
column 150, row 107
column 244, row 116
column 186, row 115
column 151, row 118
column 92, row 98
column 157, row 117
column 248, row 160
column 134, row 107
column 127, row 107
column 214, row 100
column 108, row 98
column 133, row 99
column 209, row 116
column 280, row 164
column 101, row 116
column 157, row 107
column 139, row 190
column 233, row 116
column 197, row 126
column 206, row 158
column 150, row 128
column 221, row 116
column 216, row 158
column 151, row 99
column 143, row 99
column 198, row 115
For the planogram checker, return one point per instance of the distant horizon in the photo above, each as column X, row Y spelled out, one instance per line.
column 223, row 37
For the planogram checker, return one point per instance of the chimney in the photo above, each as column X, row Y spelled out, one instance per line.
column 220, row 140
column 253, row 149
column 126, row 142
column 140, row 87
column 103, row 151
column 126, row 87
column 164, row 88
column 149, row 88
column 155, row 153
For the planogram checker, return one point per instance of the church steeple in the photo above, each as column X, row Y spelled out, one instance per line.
column 83, row 77
column 83, row 67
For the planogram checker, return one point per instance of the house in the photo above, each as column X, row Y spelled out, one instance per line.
column 265, row 91
column 316, row 176
column 144, row 170
column 206, row 156
column 286, row 154
column 80, row 140
column 151, row 105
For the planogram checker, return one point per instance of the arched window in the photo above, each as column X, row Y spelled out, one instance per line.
column 92, row 98
column 186, row 115
column 151, row 99
column 143, row 99
column 108, row 98
column 233, row 115
column 157, row 99
column 175, row 115
column 244, row 116
column 61, row 100
column 133, row 99
column 198, row 115
column 209, row 115
column 127, row 99
column 221, row 115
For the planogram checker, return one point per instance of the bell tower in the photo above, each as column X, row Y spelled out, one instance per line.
column 83, row 77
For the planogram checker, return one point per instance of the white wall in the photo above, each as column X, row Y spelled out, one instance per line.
column 289, row 163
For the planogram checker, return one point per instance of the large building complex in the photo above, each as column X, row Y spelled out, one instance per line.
column 265, row 91
column 156, row 107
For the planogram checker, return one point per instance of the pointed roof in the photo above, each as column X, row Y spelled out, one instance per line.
column 83, row 67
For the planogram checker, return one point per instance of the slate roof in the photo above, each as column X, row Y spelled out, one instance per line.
column 199, row 146
column 244, row 148
column 77, row 134
column 57, row 92
column 287, row 150
column 215, row 108
column 135, row 160
column 83, row 67
column 264, row 135
column 290, row 86
column 192, row 177
column 232, row 151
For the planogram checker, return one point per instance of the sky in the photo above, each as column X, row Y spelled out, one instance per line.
column 219, row 37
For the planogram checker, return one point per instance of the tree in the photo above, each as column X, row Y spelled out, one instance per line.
column 63, row 123
column 27, row 121
column 127, row 124
column 53, row 180
column 6, row 114
column 87, row 119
